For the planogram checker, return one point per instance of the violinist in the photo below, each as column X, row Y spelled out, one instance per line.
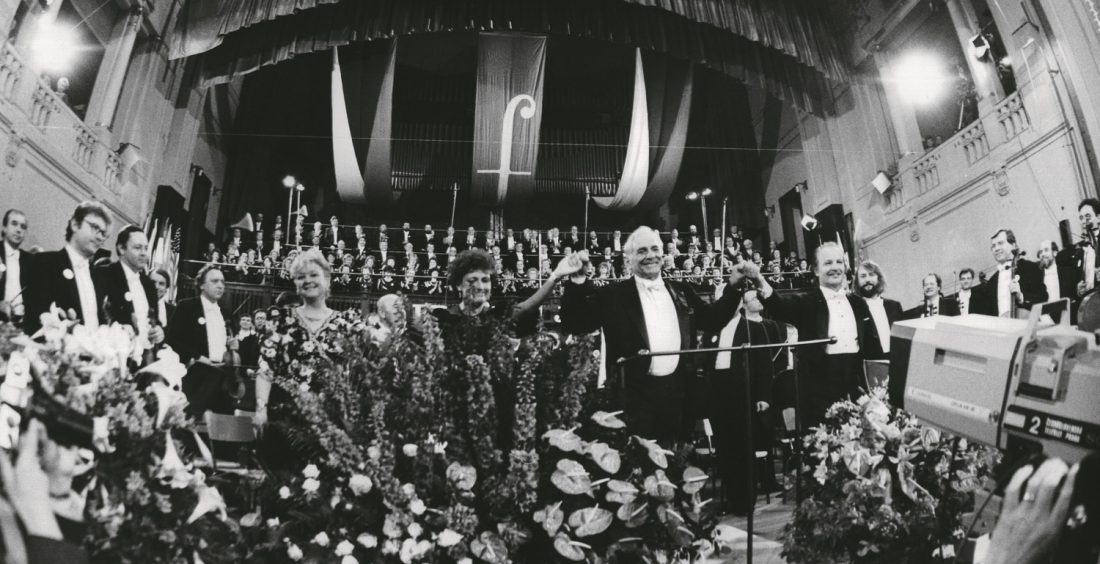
column 1016, row 285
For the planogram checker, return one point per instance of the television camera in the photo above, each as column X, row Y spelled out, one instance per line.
column 1030, row 387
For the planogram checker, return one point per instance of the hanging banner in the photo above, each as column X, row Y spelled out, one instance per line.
column 669, row 92
column 349, row 181
column 507, row 116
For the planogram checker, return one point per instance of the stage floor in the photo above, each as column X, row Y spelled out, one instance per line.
column 768, row 522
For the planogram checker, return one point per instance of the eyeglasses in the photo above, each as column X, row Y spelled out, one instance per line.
column 98, row 229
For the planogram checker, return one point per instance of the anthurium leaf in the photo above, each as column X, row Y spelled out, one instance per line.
column 658, row 455
column 568, row 548
column 490, row 548
column 571, row 478
column 694, row 479
column 657, row 486
column 606, row 458
column 564, row 439
column 551, row 518
column 633, row 513
column 590, row 521
column 609, row 420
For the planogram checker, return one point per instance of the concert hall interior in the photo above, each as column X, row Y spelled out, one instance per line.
column 782, row 262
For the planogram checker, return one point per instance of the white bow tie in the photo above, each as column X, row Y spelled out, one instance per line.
column 653, row 286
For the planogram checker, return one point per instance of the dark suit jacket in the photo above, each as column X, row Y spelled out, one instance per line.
column 617, row 309
column 893, row 313
column 49, row 285
column 808, row 312
column 760, row 363
column 983, row 299
column 119, row 306
column 1070, row 272
column 948, row 307
column 187, row 335
column 24, row 269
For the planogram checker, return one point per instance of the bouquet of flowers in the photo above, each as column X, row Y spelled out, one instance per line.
column 881, row 487
column 141, row 501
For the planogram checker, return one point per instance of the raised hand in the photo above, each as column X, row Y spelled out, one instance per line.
column 572, row 267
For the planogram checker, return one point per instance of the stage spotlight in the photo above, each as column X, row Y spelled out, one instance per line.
column 920, row 77
column 289, row 181
column 53, row 47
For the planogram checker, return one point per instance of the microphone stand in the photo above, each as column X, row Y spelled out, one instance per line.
column 750, row 484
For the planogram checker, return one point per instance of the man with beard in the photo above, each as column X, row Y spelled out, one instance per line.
column 933, row 303
column 1015, row 286
column 828, row 372
column 884, row 312
column 646, row 312
column 1083, row 257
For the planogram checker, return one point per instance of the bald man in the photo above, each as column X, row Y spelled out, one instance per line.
column 651, row 313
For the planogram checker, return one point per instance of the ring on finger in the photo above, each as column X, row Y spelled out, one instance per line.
column 1029, row 497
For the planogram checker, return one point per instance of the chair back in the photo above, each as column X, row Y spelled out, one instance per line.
column 229, row 428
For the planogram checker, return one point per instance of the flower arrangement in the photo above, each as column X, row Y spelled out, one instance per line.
column 881, row 487
column 141, row 501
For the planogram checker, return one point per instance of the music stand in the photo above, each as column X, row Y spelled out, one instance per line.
column 750, row 482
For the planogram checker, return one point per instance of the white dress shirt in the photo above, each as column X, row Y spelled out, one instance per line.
column 842, row 323
column 137, row 299
column 616, row 245
column 12, row 290
column 162, row 313
column 1004, row 296
column 1050, row 280
column 216, row 334
column 725, row 339
column 82, row 273
column 882, row 323
column 661, row 324
column 964, row 302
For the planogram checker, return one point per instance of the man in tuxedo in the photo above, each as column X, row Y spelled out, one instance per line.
column 200, row 333
column 383, row 254
column 828, row 372
column 131, row 295
column 727, row 408
column 646, row 312
column 429, row 236
column 693, row 237
column 64, row 277
column 509, row 240
column 1004, row 293
column 933, row 303
column 162, row 281
column 965, row 294
column 1058, row 275
column 14, row 273
column 871, row 282
column 1084, row 258
column 470, row 241
column 573, row 240
column 333, row 236
column 617, row 242
column 594, row 243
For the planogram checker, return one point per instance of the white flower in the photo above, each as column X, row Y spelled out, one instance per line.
column 273, row 522
column 440, row 448
column 310, row 485
column 391, row 546
column 465, row 560
column 284, row 492
column 360, row 484
column 417, row 507
column 367, row 540
column 349, row 559
column 344, row 548
column 303, row 387
column 412, row 550
column 448, row 537
column 321, row 539
column 293, row 552
column 408, row 489
column 410, row 449
column 311, row 471
column 821, row 473
column 415, row 530
column 374, row 453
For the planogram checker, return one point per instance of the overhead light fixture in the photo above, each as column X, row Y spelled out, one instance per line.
column 289, row 181
column 979, row 46
column 53, row 47
column 920, row 77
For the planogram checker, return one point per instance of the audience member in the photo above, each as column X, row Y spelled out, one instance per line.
column 1016, row 285
column 14, row 262
column 131, row 296
column 871, row 283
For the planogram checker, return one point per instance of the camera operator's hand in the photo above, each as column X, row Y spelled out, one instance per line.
column 28, row 486
column 1031, row 523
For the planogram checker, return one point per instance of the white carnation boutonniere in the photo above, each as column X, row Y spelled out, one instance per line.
column 202, row 321
column 68, row 274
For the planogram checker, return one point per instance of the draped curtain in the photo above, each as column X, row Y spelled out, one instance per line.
column 367, row 82
column 349, row 181
column 635, row 175
column 781, row 45
column 669, row 90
